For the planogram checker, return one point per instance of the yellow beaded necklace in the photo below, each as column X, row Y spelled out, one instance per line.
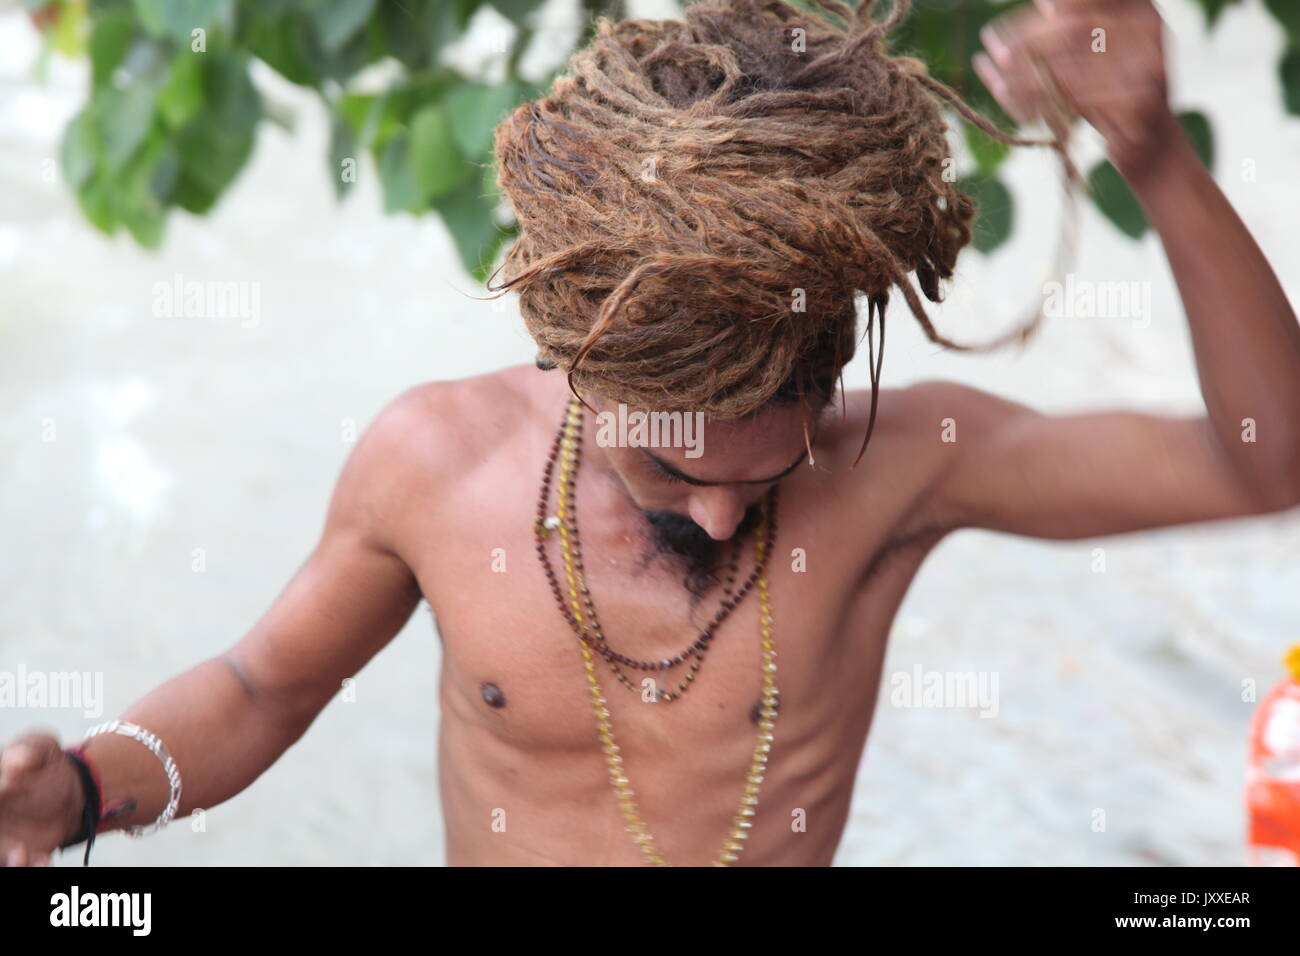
column 742, row 822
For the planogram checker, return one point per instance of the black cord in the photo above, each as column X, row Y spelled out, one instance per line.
column 90, row 815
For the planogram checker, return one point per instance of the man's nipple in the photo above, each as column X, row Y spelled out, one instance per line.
column 756, row 711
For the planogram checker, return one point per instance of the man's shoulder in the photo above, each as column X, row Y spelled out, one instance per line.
column 903, row 416
column 920, row 411
column 439, row 429
column 920, row 431
column 463, row 413
column 430, row 439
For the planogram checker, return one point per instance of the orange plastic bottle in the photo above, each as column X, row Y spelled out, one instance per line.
column 1273, row 782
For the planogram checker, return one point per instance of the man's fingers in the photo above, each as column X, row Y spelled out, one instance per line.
column 26, row 754
column 1014, row 41
column 992, row 79
column 1012, row 87
column 1075, row 8
column 998, row 46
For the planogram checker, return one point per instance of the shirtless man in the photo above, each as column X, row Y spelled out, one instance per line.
column 451, row 471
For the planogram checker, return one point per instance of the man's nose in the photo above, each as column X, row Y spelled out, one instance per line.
column 718, row 512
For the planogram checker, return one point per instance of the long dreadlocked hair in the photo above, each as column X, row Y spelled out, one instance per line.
column 702, row 202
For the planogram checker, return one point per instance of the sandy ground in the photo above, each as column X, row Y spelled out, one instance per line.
column 1120, row 692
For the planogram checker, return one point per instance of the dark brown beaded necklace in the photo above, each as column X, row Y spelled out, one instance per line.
column 699, row 647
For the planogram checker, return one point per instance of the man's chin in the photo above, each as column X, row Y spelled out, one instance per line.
column 677, row 537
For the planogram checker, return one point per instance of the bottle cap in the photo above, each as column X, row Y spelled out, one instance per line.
column 1292, row 662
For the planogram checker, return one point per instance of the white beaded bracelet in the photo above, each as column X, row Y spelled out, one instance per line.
column 156, row 746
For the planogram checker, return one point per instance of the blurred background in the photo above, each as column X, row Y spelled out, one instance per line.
column 166, row 470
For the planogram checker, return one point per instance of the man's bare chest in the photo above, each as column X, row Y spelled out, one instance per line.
column 513, row 666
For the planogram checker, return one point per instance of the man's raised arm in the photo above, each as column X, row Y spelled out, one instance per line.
column 1076, row 476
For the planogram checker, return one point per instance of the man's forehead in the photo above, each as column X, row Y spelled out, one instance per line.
column 694, row 446
column 754, row 450
column 728, row 471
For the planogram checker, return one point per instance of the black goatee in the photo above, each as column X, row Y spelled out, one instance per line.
column 677, row 537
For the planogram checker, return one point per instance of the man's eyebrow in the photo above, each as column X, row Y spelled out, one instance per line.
column 676, row 473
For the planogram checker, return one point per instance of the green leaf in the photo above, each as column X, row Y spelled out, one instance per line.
column 468, row 217
column 465, row 10
column 191, row 194
column 397, row 175
column 1289, row 70
column 416, row 31
column 1287, row 13
column 123, row 119
column 80, row 148
column 136, row 203
column 1214, row 8
column 503, row 239
column 71, row 30
column 475, row 110
column 110, row 38
column 439, row 165
column 343, row 146
column 182, row 94
column 1197, row 127
column 994, row 210
column 488, row 182
column 165, row 175
column 517, row 11
column 278, row 42
column 404, row 33
column 334, row 64
column 337, row 21
column 96, row 201
column 988, row 152
column 364, row 115
column 179, row 18
column 1116, row 200
column 215, row 144
column 150, row 15
column 228, row 92
column 377, row 119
